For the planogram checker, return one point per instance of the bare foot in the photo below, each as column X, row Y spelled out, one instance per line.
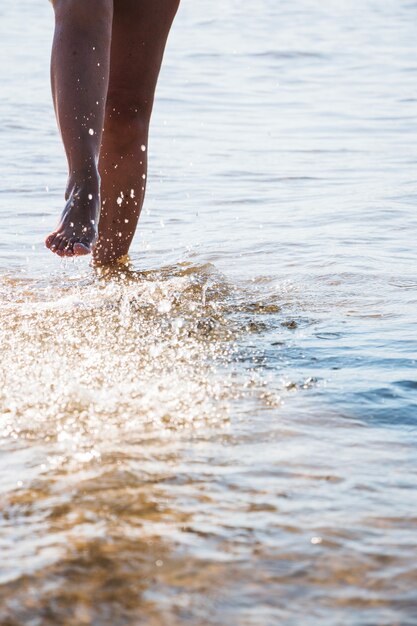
column 76, row 232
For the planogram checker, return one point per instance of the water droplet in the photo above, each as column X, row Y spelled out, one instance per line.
column 91, row 131
column 164, row 306
column 316, row 540
column 178, row 323
column 143, row 147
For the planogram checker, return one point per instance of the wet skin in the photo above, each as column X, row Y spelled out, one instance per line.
column 106, row 58
column 77, row 231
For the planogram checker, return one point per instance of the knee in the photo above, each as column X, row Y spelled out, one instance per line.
column 82, row 12
column 127, row 119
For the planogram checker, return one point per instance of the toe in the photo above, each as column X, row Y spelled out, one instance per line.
column 68, row 250
column 81, row 248
column 60, row 250
column 65, row 249
column 55, row 243
column 49, row 240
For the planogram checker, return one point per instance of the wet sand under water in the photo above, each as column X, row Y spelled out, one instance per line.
column 223, row 432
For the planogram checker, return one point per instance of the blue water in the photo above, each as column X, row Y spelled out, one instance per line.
column 225, row 431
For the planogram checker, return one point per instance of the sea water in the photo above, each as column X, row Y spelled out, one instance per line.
column 223, row 432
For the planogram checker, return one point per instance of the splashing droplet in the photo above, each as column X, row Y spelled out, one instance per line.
column 164, row 306
column 316, row 540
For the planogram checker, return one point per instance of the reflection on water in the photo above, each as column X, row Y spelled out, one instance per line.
column 158, row 466
column 134, row 347
column 101, row 376
column 222, row 432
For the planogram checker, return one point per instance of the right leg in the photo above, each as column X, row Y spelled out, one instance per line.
column 80, row 74
column 140, row 31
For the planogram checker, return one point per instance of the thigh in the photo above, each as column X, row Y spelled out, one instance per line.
column 140, row 31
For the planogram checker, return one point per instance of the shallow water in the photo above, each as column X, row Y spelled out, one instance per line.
column 225, row 431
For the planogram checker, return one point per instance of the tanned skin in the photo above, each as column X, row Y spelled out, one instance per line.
column 106, row 58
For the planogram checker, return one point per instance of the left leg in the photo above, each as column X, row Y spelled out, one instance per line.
column 79, row 73
column 139, row 35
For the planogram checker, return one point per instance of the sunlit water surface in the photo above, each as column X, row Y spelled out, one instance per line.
column 223, row 433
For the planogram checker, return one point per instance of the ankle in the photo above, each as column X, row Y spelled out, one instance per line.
column 87, row 179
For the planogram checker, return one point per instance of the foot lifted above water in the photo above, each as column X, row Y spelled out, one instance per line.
column 77, row 230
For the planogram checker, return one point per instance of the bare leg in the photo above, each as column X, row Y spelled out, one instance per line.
column 140, row 31
column 79, row 74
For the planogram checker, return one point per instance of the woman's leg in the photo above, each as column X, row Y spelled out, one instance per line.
column 80, row 75
column 140, row 31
